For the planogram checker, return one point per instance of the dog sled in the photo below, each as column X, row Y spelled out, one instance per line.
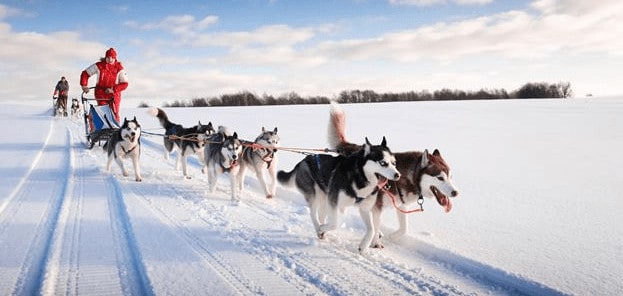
column 99, row 121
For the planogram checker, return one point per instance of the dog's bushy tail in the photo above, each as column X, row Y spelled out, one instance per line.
column 336, row 134
column 284, row 177
column 162, row 116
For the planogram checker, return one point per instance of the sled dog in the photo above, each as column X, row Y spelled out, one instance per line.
column 331, row 183
column 125, row 143
column 76, row 108
column 187, row 141
column 423, row 175
column 222, row 155
column 261, row 158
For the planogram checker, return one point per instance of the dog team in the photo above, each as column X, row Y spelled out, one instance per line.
column 370, row 177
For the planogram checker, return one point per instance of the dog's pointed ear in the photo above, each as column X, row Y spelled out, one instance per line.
column 384, row 143
column 275, row 130
column 134, row 118
column 424, row 161
column 366, row 147
column 199, row 123
column 436, row 152
column 263, row 130
column 235, row 135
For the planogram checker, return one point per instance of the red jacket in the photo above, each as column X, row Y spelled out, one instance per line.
column 110, row 76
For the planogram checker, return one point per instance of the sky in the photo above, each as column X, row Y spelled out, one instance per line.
column 181, row 50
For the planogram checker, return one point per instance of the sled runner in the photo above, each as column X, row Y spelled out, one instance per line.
column 99, row 121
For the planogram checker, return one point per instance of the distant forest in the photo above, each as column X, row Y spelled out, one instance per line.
column 529, row 90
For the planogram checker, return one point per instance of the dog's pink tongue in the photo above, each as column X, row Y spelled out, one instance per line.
column 447, row 204
column 382, row 182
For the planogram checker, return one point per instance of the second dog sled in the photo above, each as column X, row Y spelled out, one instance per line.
column 99, row 120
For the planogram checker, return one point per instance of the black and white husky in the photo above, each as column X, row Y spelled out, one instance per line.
column 424, row 174
column 125, row 143
column 76, row 108
column 331, row 183
column 187, row 141
column 261, row 157
column 222, row 155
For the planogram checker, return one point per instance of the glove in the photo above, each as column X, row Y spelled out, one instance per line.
column 85, row 89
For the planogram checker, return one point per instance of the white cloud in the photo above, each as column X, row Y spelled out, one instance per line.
column 513, row 34
column 182, row 25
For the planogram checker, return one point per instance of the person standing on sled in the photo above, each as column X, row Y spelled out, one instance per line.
column 112, row 80
column 60, row 95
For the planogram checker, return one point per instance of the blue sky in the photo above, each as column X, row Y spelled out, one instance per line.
column 186, row 49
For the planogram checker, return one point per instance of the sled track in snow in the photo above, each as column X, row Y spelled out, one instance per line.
column 31, row 278
column 56, row 259
column 131, row 270
column 134, row 276
column 56, row 176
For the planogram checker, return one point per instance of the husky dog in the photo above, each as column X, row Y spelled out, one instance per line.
column 76, row 108
column 260, row 158
column 423, row 175
column 125, row 142
column 58, row 109
column 331, row 183
column 187, row 141
column 222, row 155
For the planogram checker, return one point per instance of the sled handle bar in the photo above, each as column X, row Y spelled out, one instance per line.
column 84, row 99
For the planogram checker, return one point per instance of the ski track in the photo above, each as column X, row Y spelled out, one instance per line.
column 167, row 224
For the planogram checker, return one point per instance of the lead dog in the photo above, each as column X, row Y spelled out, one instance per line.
column 331, row 183
column 261, row 158
column 187, row 141
column 423, row 175
column 222, row 155
column 125, row 143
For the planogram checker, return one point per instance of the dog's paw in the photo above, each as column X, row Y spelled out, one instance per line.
column 396, row 234
column 377, row 245
column 125, row 174
column 139, row 179
column 269, row 196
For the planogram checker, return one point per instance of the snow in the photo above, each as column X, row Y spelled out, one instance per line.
column 537, row 214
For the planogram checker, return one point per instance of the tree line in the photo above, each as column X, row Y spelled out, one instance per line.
column 530, row 90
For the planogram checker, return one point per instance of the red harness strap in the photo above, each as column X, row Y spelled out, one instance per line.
column 393, row 198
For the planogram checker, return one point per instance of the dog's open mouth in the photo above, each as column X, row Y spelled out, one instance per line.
column 442, row 199
column 382, row 181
